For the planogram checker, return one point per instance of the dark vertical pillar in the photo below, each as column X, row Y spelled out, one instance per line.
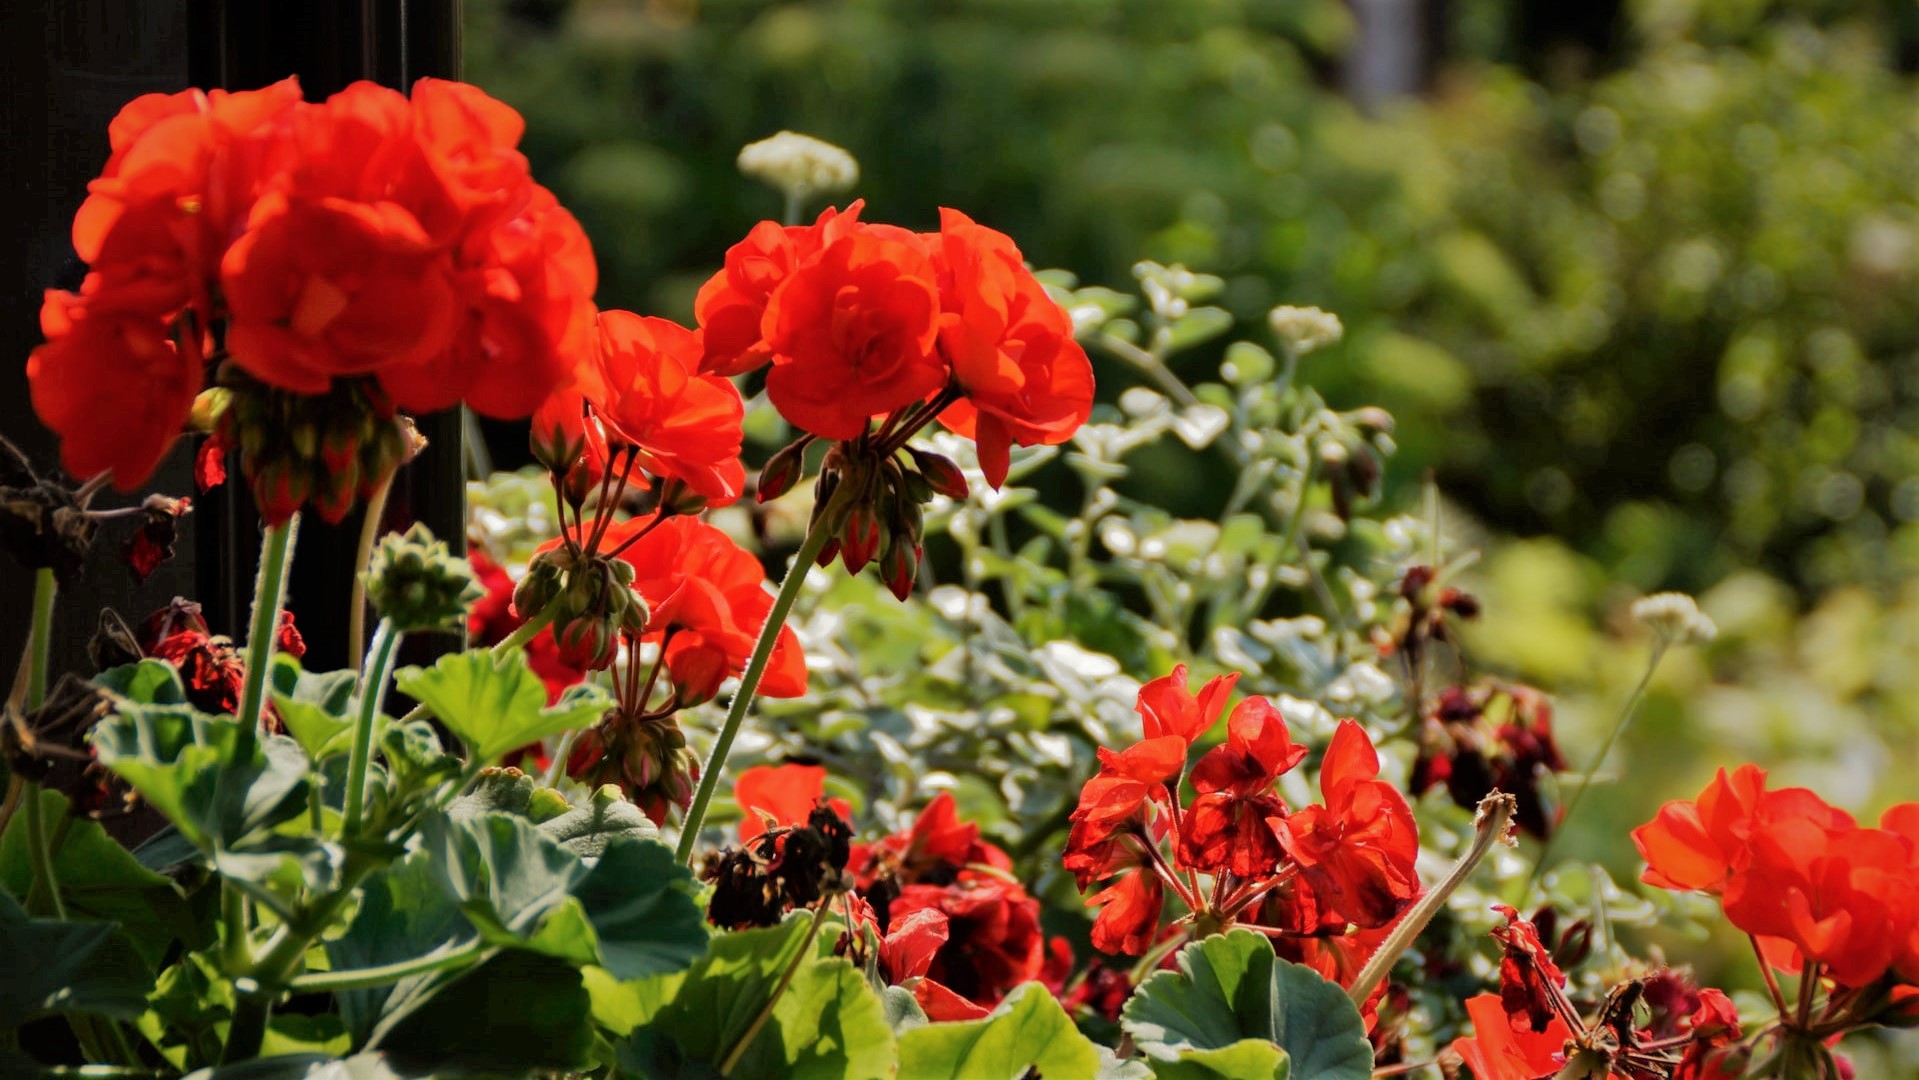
column 66, row 66
column 242, row 44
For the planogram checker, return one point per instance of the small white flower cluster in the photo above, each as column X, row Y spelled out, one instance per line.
column 1305, row 329
column 1675, row 617
column 799, row 165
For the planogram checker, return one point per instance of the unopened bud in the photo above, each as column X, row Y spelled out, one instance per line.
column 537, row 589
column 940, row 472
column 901, row 567
column 860, row 539
column 783, row 470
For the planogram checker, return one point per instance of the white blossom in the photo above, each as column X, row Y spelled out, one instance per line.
column 799, row 165
column 1675, row 617
column 1305, row 329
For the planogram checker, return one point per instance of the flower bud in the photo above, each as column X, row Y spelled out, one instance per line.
column 901, row 568
column 545, row 805
column 208, row 408
column 1675, row 617
column 940, row 472
column 543, row 581
column 860, row 539
column 416, row 582
column 783, row 470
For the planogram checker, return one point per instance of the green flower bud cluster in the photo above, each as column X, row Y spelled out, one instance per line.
column 596, row 603
column 416, row 582
column 329, row 450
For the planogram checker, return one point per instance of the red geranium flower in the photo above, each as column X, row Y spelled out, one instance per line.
column 1166, row 707
column 646, row 391
column 708, row 600
column 732, row 304
column 1025, row 381
column 1499, row 1051
column 1127, row 782
column 1841, row 898
column 1358, row 849
column 1130, row 907
column 1699, row 844
column 994, row 941
column 852, row 334
column 1226, row 826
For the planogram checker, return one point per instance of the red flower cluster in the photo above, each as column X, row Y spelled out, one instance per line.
column 1659, row 1026
column 862, row 321
column 1313, row 871
column 212, row 668
column 1819, row 893
column 641, row 400
column 397, row 244
column 1493, row 737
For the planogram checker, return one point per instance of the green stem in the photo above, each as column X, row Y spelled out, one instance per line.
column 732, row 1059
column 362, row 978
column 237, row 945
column 362, row 555
column 386, row 640
column 1495, row 816
column 823, row 526
column 40, row 640
column 269, row 590
column 274, row 966
column 1619, row 726
column 39, row 646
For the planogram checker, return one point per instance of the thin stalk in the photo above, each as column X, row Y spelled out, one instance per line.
column 362, row 556
column 236, row 946
column 386, row 639
column 824, row 525
column 39, row 646
column 733, row 1056
column 269, row 591
column 40, row 637
column 1626, row 714
column 1772, row 981
column 1494, row 818
column 362, row 978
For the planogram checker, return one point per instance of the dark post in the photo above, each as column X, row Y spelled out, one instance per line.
column 243, row 44
column 66, row 66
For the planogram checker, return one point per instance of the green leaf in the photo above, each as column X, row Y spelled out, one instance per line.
column 99, row 880
column 495, row 790
column 644, row 910
column 496, row 703
column 404, row 914
column 501, row 871
column 1231, row 987
column 149, row 682
column 828, row 1023
column 1247, row 1059
column 588, row 830
column 510, row 1016
column 66, row 967
column 317, row 708
column 1029, row 1030
column 218, row 788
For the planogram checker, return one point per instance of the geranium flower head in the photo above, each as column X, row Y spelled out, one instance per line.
column 852, row 334
column 1024, row 380
column 731, row 305
column 648, row 393
column 1166, row 707
column 785, row 793
column 1496, row 1050
column 1697, row 844
column 1358, row 849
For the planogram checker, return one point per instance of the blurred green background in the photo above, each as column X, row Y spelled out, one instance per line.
column 1635, row 278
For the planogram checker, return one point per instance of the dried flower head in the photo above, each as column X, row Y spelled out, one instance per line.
column 1305, row 329
column 1675, row 617
column 799, row 165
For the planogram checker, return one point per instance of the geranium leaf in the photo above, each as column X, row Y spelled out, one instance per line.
column 1247, row 1059
column 66, row 967
column 515, row 1014
column 1231, row 987
column 99, row 880
column 496, row 703
column 217, row 787
column 828, row 1022
column 316, row 708
column 1029, row 1030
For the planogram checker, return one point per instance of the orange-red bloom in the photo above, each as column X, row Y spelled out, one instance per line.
column 1498, row 1051
column 1025, row 381
column 852, row 334
column 1166, row 707
column 1358, row 849
column 732, row 304
column 648, row 395
column 1699, row 844
column 1226, row 826
column 786, row 793
column 708, row 601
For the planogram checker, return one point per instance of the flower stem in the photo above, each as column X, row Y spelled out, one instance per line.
column 386, row 640
column 1626, row 714
column 733, row 1056
column 362, row 978
column 362, row 555
column 39, row 646
column 1494, row 818
column 823, row 527
column 269, row 590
